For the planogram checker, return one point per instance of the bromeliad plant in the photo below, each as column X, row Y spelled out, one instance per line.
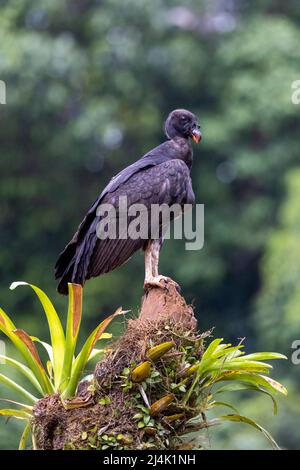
column 226, row 368
column 164, row 393
column 162, row 396
column 179, row 389
column 63, row 370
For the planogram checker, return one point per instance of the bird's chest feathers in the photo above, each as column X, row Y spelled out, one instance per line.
column 182, row 150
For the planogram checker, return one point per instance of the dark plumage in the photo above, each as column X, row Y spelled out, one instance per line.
column 160, row 176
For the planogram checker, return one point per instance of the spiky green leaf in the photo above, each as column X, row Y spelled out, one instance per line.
column 55, row 328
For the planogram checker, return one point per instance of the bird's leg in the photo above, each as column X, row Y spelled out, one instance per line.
column 156, row 246
column 152, row 278
column 157, row 280
column 148, row 261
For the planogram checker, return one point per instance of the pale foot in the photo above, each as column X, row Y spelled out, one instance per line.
column 157, row 281
column 160, row 281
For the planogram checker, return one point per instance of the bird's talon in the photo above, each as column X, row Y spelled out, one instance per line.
column 159, row 281
column 162, row 282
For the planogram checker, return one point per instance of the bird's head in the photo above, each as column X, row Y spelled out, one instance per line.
column 183, row 123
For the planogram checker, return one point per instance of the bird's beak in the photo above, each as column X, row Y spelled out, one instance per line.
column 196, row 135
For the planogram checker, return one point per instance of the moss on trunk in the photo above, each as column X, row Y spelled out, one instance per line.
column 137, row 399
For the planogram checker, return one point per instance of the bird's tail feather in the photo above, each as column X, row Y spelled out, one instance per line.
column 66, row 257
column 72, row 265
column 67, row 276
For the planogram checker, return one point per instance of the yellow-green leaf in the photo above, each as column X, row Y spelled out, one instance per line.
column 222, row 403
column 240, row 365
column 6, row 321
column 19, row 414
column 275, row 385
column 73, row 325
column 83, row 356
column 23, row 369
column 252, row 378
column 55, row 328
column 30, row 346
column 243, row 419
column 261, row 356
column 16, row 387
column 46, row 346
column 24, row 437
column 25, row 338
column 31, row 362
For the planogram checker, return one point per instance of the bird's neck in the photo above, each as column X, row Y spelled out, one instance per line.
column 184, row 150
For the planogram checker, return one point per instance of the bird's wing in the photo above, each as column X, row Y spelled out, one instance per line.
column 155, row 157
column 167, row 183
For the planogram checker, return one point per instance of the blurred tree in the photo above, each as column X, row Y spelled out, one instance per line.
column 277, row 310
column 278, row 305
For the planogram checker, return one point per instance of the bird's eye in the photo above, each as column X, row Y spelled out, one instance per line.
column 183, row 118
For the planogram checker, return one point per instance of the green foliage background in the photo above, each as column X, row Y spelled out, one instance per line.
column 89, row 83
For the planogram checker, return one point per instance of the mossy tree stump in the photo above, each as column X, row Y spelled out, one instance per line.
column 137, row 399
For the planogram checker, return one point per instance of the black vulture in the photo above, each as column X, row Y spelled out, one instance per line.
column 162, row 176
